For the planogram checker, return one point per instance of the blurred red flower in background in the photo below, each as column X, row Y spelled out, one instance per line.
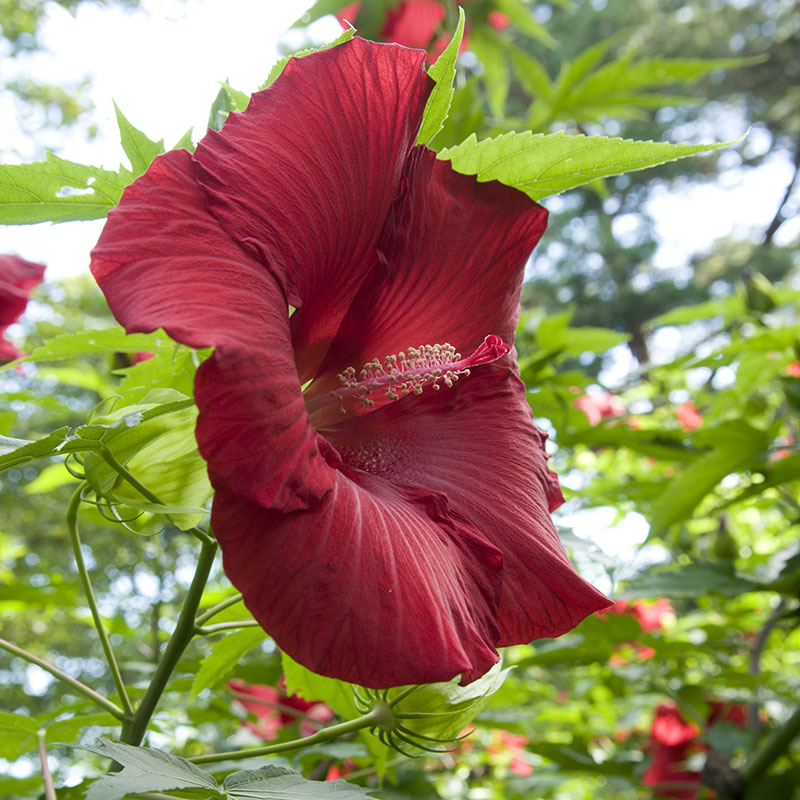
column 598, row 407
column 673, row 740
column 689, row 416
column 274, row 709
column 18, row 279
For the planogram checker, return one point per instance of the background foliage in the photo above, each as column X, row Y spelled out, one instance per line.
column 698, row 456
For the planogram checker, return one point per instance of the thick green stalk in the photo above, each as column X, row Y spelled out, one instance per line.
column 773, row 748
column 133, row 730
column 75, row 539
column 375, row 717
column 104, row 702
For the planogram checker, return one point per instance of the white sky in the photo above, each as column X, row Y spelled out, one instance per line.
column 162, row 65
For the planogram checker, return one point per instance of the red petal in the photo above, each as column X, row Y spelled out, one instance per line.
column 18, row 278
column 374, row 587
column 164, row 261
column 476, row 444
column 306, row 176
column 453, row 254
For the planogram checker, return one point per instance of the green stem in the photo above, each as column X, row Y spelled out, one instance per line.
column 112, row 462
column 133, row 731
column 209, row 630
column 74, row 535
column 772, row 749
column 369, row 720
column 112, row 708
column 214, row 610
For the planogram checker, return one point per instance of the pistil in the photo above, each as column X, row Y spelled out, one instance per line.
column 408, row 372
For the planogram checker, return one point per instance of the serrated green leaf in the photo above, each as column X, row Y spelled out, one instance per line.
column 280, row 783
column 57, row 190
column 108, row 340
column 443, row 72
column 137, row 146
column 278, row 66
column 545, row 164
column 697, row 579
column 185, row 142
column 224, row 656
column 145, row 770
column 239, row 100
column 532, row 75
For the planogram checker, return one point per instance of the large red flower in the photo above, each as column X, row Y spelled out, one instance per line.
column 405, row 539
column 18, row 278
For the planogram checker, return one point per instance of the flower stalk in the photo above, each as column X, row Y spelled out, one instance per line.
column 772, row 749
column 369, row 720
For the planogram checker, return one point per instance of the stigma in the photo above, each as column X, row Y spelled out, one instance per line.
column 410, row 372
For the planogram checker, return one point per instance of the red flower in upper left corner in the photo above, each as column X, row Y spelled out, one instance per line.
column 384, row 513
column 18, row 279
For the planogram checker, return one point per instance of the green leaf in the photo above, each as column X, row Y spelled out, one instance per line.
column 443, row 72
column 17, row 735
column 14, row 452
column 522, row 16
column 491, row 52
column 546, row 164
column 448, row 707
column 155, row 440
column 277, row 68
column 145, row 770
column 239, row 100
column 280, row 783
column 57, row 190
column 734, row 443
column 697, row 579
column 108, row 340
column 224, row 656
column 139, row 149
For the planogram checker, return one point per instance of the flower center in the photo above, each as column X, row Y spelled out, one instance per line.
column 408, row 372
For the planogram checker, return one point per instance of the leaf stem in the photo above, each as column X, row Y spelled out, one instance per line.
column 369, row 720
column 47, row 778
column 112, row 462
column 75, row 539
column 214, row 610
column 774, row 747
column 209, row 630
column 112, row 708
column 133, row 730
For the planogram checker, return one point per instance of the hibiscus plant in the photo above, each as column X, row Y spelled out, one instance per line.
column 316, row 376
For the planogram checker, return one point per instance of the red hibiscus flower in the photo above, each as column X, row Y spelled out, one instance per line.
column 598, row 407
column 274, row 709
column 673, row 740
column 689, row 416
column 18, row 278
column 387, row 522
